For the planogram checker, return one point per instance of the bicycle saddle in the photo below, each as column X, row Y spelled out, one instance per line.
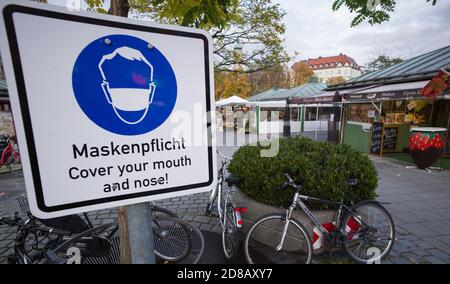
column 233, row 180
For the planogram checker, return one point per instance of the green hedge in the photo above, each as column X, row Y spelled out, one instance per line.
column 322, row 168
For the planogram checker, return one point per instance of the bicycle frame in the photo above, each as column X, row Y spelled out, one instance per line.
column 219, row 195
column 298, row 202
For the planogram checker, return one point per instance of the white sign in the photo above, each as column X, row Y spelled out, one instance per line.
column 104, row 107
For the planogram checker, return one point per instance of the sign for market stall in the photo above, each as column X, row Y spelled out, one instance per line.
column 97, row 102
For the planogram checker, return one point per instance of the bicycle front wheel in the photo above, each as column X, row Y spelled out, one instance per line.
column 369, row 232
column 177, row 241
column 230, row 237
column 261, row 245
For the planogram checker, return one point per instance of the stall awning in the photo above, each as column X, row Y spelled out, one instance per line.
column 326, row 97
column 269, row 104
column 233, row 100
column 410, row 90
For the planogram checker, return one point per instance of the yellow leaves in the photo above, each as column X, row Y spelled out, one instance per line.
column 335, row 80
column 232, row 84
column 302, row 73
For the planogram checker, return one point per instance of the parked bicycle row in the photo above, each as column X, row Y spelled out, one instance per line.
column 365, row 231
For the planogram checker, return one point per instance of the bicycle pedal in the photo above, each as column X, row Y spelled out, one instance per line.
column 211, row 215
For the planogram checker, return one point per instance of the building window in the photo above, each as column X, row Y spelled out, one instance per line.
column 295, row 114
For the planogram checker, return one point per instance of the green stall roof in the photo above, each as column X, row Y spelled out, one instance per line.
column 421, row 67
column 265, row 95
column 306, row 90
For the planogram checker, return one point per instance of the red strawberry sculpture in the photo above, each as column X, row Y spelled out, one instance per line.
column 425, row 148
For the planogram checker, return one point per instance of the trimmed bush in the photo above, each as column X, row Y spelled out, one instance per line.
column 322, row 168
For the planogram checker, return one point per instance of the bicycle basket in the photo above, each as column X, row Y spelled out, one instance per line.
column 99, row 245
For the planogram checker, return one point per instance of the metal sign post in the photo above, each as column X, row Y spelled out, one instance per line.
column 140, row 233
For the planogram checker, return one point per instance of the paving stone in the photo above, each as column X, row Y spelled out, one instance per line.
column 419, row 230
column 202, row 219
column 406, row 243
column 442, row 227
column 188, row 218
column 400, row 260
column 434, row 260
column 436, row 243
column 400, row 248
column 421, row 252
column 438, row 253
column 6, row 243
column 421, row 244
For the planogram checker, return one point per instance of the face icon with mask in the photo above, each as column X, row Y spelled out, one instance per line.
column 129, row 91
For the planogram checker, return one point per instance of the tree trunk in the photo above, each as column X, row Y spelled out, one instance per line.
column 125, row 250
column 121, row 8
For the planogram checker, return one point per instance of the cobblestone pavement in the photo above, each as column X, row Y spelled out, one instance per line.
column 419, row 202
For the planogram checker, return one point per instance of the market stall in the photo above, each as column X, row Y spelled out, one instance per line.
column 233, row 114
column 381, row 108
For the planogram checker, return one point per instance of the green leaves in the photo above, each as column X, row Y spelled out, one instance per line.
column 372, row 11
column 322, row 168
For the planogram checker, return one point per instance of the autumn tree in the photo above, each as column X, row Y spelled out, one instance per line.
column 335, row 80
column 372, row 11
column 232, row 84
column 302, row 73
column 275, row 77
column 257, row 25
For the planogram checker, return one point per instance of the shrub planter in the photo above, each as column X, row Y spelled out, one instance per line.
column 257, row 209
column 321, row 168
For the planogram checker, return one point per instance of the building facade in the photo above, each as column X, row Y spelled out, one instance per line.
column 329, row 67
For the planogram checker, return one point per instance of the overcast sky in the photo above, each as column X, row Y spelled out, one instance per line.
column 415, row 27
column 314, row 30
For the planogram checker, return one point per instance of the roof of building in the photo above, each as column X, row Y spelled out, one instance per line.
column 312, row 88
column 422, row 67
column 329, row 62
column 306, row 90
column 266, row 94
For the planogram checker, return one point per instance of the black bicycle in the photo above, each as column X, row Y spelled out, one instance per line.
column 366, row 231
column 176, row 241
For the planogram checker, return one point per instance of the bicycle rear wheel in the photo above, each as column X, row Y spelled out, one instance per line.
column 177, row 241
column 230, row 234
column 369, row 233
column 264, row 236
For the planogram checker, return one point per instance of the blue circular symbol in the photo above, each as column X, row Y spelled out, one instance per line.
column 124, row 84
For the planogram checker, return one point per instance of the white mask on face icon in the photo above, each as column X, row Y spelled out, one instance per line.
column 124, row 99
column 128, row 99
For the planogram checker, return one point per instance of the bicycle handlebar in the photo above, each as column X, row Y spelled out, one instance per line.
column 288, row 177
